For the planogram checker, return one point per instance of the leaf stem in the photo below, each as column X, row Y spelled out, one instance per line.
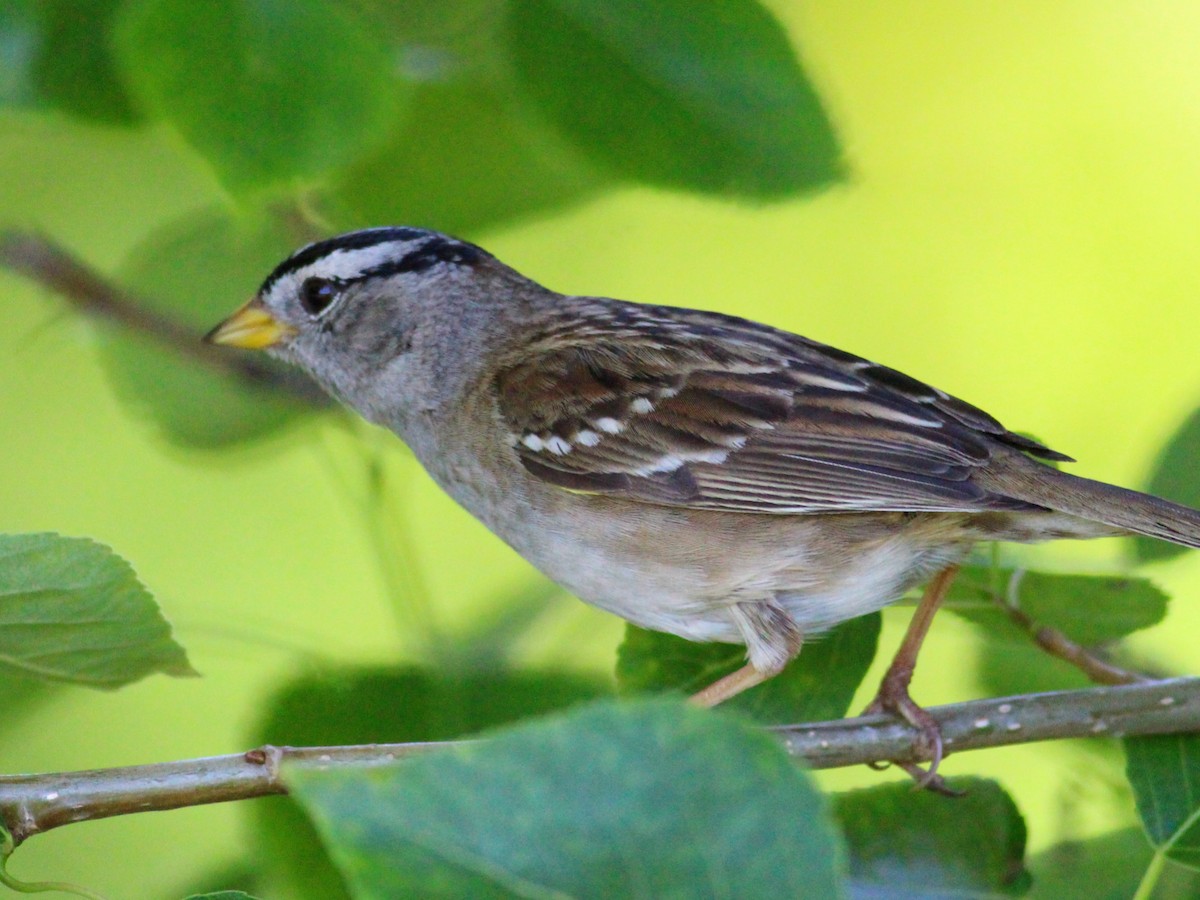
column 1161, row 853
column 11, row 882
column 377, row 496
column 395, row 548
column 1145, row 888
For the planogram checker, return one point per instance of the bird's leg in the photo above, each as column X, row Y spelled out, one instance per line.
column 893, row 694
column 772, row 639
column 731, row 685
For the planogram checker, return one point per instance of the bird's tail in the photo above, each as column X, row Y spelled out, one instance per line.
column 1096, row 501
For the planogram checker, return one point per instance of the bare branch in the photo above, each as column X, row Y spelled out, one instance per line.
column 40, row 259
column 1158, row 707
column 30, row 804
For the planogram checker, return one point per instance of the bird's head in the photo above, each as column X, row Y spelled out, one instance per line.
column 378, row 317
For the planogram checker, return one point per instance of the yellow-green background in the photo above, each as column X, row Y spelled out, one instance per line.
column 1020, row 228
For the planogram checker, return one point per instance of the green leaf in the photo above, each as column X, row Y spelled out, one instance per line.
column 1006, row 669
column 74, row 67
column 707, row 97
column 241, row 871
column 365, row 705
column 650, row 799
column 74, row 611
column 469, row 155
column 1107, row 867
column 908, row 844
column 1174, row 478
column 368, row 705
column 1164, row 771
column 197, row 272
column 269, row 91
column 1089, row 609
column 430, row 37
column 818, row 685
column 466, row 159
column 20, row 37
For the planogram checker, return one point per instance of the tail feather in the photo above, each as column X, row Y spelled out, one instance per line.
column 1096, row 501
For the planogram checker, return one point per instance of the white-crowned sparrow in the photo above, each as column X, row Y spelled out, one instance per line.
column 692, row 472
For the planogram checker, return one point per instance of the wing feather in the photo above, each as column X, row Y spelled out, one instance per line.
column 694, row 409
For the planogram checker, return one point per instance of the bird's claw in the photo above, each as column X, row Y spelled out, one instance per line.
column 893, row 698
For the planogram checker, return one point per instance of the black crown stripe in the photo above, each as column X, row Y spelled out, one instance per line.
column 354, row 240
column 433, row 251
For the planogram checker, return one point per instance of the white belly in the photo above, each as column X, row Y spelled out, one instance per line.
column 680, row 571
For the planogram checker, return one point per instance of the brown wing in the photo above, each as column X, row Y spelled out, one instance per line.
column 694, row 409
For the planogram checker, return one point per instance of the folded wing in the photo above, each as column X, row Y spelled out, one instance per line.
column 694, row 409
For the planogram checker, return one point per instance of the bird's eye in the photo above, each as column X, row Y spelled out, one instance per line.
column 317, row 293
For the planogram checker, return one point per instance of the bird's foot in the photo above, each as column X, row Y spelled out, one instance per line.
column 893, row 698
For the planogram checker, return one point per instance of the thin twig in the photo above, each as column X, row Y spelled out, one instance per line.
column 31, row 804
column 40, row 259
column 1057, row 644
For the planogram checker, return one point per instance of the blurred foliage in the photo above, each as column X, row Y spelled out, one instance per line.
column 72, row 69
column 1173, row 477
column 188, row 271
column 242, row 880
column 1115, row 865
column 270, row 92
column 819, row 684
column 1020, row 667
column 317, row 113
column 1165, row 773
column 1009, row 662
column 385, row 705
column 972, row 847
column 1116, row 607
column 469, row 155
column 55, row 53
column 296, row 118
column 737, row 117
